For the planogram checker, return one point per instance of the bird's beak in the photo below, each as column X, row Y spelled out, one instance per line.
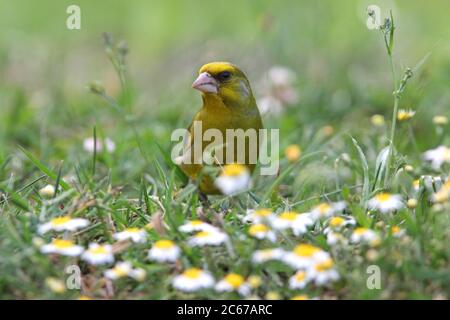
column 206, row 83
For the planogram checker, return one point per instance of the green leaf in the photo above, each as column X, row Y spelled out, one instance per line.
column 44, row 168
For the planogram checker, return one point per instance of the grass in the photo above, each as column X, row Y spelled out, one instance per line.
column 344, row 158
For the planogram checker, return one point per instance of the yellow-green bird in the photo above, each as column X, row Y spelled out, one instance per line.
column 228, row 103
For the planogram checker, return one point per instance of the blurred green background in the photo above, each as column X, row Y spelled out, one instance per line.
column 343, row 76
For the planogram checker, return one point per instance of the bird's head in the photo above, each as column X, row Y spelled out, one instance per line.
column 224, row 80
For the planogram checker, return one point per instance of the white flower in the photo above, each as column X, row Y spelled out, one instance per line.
column 323, row 272
column 261, row 231
column 438, row 156
column 261, row 256
column 299, row 280
column 135, row 234
column 98, row 254
column 124, row 269
column 326, row 210
column 334, row 238
column 258, row 215
column 63, row 247
column 304, row 255
column 196, row 225
column 386, row 202
column 88, row 145
column 233, row 282
column 47, row 191
column 192, row 280
column 208, row 238
column 65, row 223
column 365, row 235
column 298, row 222
column 235, row 178
column 403, row 114
column 338, row 222
column 397, row 232
column 164, row 251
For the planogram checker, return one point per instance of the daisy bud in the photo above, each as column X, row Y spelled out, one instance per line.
column 440, row 120
column 292, row 152
column 412, row 203
column 47, row 191
column 377, row 120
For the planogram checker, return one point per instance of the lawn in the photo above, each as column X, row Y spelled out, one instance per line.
column 93, row 207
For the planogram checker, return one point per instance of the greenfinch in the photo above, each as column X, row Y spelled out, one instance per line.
column 228, row 103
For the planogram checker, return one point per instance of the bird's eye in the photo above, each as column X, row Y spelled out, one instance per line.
column 225, row 75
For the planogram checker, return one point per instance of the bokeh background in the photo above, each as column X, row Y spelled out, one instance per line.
column 342, row 73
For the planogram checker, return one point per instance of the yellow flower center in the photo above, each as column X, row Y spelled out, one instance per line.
column 196, row 222
column 98, row 250
column 290, row 215
column 62, row 243
column 383, row 197
column 192, row 273
column 133, row 230
column 120, row 271
column 164, row 244
column 262, row 212
column 235, row 280
column 232, row 170
column 360, row 231
column 300, row 297
column 306, row 250
column 395, row 229
column 60, row 220
column 324, row 266
column 300, row 276
column 257, row 228
column 323, row 208
column 416, row 183
column 336, row 221
column 203, row 234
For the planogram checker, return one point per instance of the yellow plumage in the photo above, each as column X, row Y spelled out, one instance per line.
column 228, row 103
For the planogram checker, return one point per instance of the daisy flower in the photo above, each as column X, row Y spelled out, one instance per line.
column 334, row 238
column 323, row 272
column 164, row 251
column 365, row 235
column 125, row 269
column 134, row 234
column 339, row 222
column 298, row 222
column 258, row 215
column 299, row 280
column 261, row 256
column 65, row 223
column 98, row 254
column 437, row 156
column 208, row 238
column 403, row 115
column 89, row 145
column 192, row 280
column 326, row 210
column 396, row 231
column 63, row 247
column 233, row 282
column 304, row 255
column 261, row 231
column 386, row 202
column 234, row 178
column 196, row 225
